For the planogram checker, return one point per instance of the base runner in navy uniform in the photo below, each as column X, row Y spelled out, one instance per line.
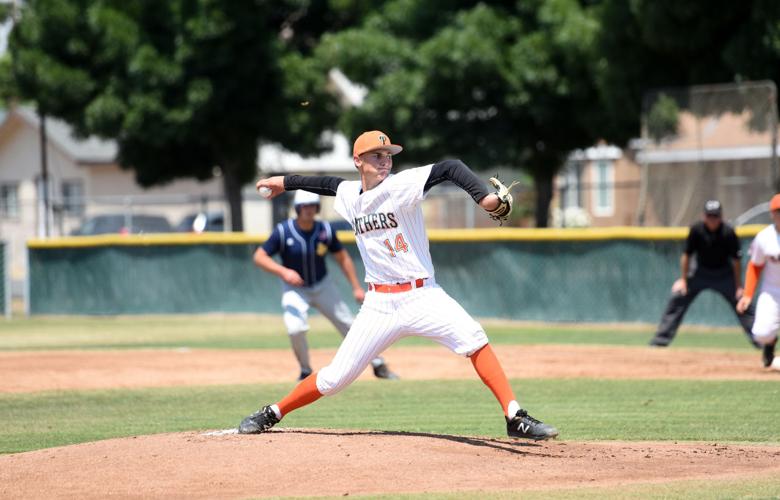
column 403, row 297
column 303, row 244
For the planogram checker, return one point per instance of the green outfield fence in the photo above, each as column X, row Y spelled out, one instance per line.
column 587, row 275
column 5, row 280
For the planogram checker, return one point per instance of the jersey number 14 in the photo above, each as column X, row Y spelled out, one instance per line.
column 400, row 245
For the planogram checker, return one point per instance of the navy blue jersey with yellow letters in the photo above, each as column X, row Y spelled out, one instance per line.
column 303, row 251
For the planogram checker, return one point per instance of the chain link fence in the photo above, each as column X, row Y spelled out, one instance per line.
column 704, row 142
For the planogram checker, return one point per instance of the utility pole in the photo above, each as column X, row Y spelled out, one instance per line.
column 773, row 127
column 44, row 175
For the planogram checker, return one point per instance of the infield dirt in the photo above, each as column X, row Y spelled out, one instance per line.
column 32, row 371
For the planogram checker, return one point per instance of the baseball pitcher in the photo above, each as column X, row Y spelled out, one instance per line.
column 403, row 297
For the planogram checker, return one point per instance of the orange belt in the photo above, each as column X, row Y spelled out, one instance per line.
column 397, row 287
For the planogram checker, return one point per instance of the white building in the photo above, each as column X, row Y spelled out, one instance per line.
column 85, row 180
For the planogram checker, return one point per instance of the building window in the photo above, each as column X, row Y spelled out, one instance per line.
column 572, row 189
column 73, row 197
column 604, row 192
column 9, row 200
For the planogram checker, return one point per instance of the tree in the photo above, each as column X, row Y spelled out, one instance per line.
column 494, row 83
column 663, row 118
column 186, row 87
column 649, row 44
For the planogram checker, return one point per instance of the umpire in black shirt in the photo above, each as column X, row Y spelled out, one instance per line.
column 717, row 266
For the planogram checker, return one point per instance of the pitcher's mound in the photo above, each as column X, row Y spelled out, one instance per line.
column 297, row 462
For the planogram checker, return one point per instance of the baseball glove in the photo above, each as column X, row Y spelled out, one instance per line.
column 501, row 213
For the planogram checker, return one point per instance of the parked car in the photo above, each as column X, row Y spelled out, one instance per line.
column 202, row 221
column 123, row 224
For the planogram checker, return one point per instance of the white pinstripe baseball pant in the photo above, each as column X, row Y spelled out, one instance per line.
column 386, row 318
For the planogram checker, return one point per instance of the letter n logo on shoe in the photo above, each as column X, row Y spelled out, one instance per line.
column 524, row 428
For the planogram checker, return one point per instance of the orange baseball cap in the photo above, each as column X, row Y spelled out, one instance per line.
column 373, row 140
column 775, row 203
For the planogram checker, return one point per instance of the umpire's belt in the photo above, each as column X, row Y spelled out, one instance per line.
column 396, row 287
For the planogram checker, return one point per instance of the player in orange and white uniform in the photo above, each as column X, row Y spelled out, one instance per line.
column 765, row 261
column 403, row 297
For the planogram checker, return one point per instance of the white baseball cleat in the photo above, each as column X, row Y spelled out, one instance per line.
column 775, row 366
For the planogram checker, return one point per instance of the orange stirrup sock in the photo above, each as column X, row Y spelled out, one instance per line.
column 489, row 370
column 752, row 275
column 304, row 393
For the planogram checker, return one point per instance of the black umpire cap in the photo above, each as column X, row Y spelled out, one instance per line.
column 712, row 207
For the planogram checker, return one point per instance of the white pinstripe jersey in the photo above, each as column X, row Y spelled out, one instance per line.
column 765, row 251
column 389, row 226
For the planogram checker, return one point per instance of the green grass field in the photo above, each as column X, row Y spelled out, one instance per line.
column 266, row 332
column 584, row 409
column 713, row 489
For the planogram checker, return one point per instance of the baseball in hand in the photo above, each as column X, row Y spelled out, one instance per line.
column 265, row 192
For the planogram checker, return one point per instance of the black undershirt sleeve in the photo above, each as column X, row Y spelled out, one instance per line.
column 321, row 184
column 460, row 175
